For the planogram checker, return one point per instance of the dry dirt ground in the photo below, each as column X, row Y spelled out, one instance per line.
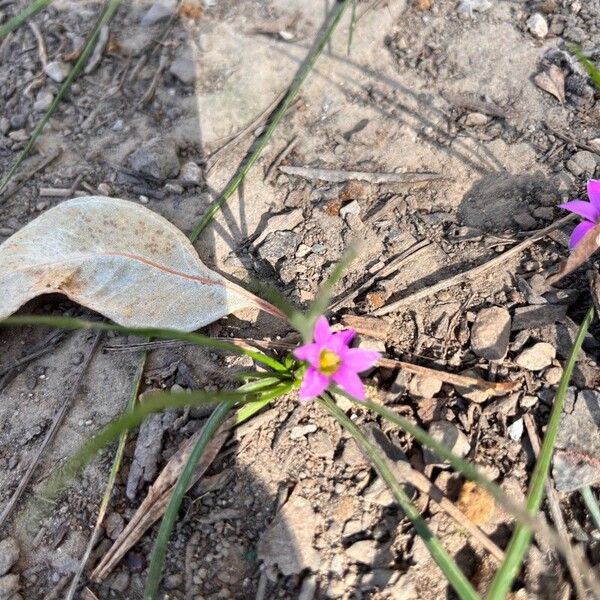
column 290, row 508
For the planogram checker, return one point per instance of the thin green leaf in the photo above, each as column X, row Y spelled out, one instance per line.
column 249, row 409
column 304, row 324
column 15, row 22
column 159, row 550
column 588, row 65
column 105, row 17
column 163, row 334
column 110, row 484
column 522, row 535
column 591, row 503
column 456, row 578
column 266, row 136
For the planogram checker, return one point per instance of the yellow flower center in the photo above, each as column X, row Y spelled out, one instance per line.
column 329, row 362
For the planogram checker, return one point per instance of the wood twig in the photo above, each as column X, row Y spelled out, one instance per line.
column 46, row 192
column 393, row 265
column 337, row 176
column 25, row 177
column 499, row 387
column 475, row 271
column 555, row 511
column 40, row 43
column 281, row 157
column 569, row 139
column 149, row 94
column 42, row 348
column 473, row 104
column 51, row 433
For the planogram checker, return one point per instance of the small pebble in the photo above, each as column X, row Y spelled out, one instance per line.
column 536, row 358
column 553, row 375
column 538, row 26
column 57, row 70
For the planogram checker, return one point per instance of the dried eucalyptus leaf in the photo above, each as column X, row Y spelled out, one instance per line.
column 121, row 260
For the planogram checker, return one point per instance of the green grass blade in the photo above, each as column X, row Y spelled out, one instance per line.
column 110, row 484
column 522, row 535
column 105, row 17
column 249, row 409
column 159, row 550
column 198, row 339
column 15, row 22
column 266, row 136
column 591, row 503
column 456, row 578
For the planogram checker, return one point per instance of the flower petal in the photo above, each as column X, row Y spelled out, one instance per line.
column 593, row 191
column 579, row 232
column 359, row 359
column 582, row 208
column 310, row 353
column 313, row 384
column 339, row 341
column 350, row 382
column 322, row 333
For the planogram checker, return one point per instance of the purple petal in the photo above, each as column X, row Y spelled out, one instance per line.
column 322, row 333
column 346, row 334
column 359, row 360
column 593, row 191
column 579, row 233
column 581, row 208
column 339, row 341
column 350, row 382
column 310, row 353
column 313, row 384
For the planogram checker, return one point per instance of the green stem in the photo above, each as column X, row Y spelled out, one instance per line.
column 522, row 535
column 33, row 9
column 459, row 582
column 591, row 503
column 216, row 419
column 266, row 136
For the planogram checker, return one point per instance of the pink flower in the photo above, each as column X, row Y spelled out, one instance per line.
column 329, row 359
column 590, row 211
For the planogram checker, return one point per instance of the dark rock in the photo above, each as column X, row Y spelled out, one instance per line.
column 526, row 317
column 278, row 245
column 577, row 454
column 157, row 158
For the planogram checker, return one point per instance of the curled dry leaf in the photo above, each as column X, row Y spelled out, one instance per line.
column 580, row 254
column 121, row 260
column 552, row 81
